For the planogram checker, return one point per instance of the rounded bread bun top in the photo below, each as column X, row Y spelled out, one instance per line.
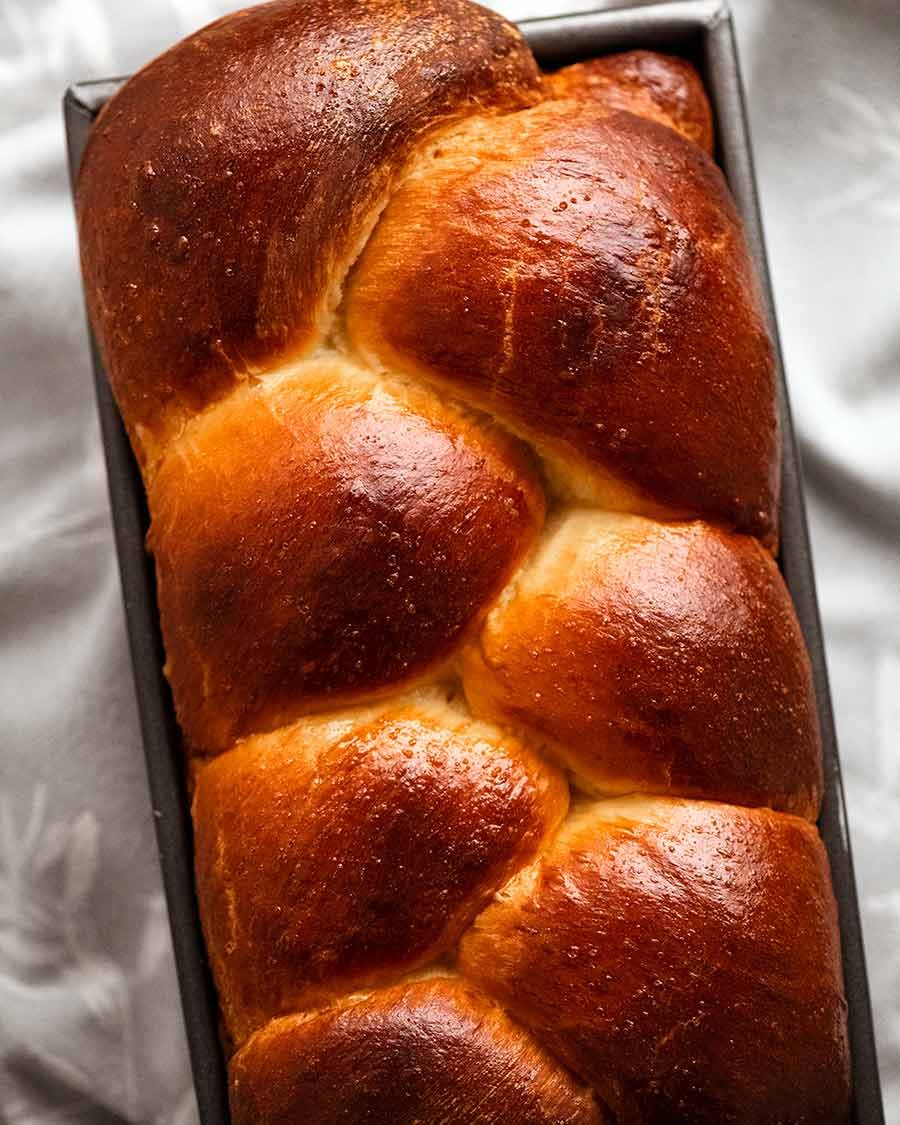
column 425, row 1051
column 682, row 957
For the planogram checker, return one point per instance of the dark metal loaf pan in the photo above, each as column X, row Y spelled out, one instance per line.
column 700, row 30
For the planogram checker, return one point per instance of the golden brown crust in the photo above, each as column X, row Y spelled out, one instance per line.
column 583, row 276
column 662, row 88
column 428, row 1052
column 656, row 657
column 683, row 958
column 225, row 188
column 560, row 253
column 326, row 537
column 346, row 851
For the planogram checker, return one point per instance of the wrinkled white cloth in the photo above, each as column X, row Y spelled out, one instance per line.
column 90, row 1024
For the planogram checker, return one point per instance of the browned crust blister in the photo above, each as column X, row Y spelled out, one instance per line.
column 333, row 855
column 453, row 395
column 678, row 664
column 327, row 538
column 582, row 276
column 656, row 87
column 226, row 185
column 681, row 957
column 430, row 1051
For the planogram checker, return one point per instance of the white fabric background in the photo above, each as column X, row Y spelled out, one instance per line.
column 90, row 1025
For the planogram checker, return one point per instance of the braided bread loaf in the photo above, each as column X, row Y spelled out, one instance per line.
column 453, row 398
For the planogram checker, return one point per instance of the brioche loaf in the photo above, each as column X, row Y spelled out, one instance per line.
column 453, row 397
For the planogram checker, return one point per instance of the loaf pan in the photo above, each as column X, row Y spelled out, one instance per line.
column 700, row 30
